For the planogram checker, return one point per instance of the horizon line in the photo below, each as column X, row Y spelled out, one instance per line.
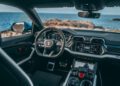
column 48, row 12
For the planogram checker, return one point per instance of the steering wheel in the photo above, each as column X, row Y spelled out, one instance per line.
column 50, row 43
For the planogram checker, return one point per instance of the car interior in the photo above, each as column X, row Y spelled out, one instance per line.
column 41, row 55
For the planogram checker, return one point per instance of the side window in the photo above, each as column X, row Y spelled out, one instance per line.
column 13, row 22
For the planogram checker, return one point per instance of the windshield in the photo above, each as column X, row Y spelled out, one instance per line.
column 68, row 18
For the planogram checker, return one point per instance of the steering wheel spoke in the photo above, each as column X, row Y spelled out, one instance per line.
column 51, row 53
column 59, row 43
column 44, row 51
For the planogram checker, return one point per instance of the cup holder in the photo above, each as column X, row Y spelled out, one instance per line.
column 86, row 83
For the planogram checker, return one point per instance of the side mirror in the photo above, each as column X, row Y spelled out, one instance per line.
column 21, row 27
column 18, row 27
column 89, row 15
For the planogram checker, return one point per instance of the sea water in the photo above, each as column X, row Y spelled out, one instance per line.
column 8, row 18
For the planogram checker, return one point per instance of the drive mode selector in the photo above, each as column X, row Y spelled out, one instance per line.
column 86, row 83
column 73, row 81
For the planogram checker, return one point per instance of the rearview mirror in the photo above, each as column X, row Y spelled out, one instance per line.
column 89, row 15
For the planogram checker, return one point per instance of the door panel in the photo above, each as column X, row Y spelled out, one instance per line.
column 19, row 47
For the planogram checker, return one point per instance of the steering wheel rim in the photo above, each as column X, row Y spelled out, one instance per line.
column 43, row 54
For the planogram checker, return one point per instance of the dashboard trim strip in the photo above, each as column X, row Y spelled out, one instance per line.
column 18, row 68
column 93, row 56
column 66, row 81
column 28, row 58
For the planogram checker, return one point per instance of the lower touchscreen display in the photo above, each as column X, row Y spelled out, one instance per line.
column 82, row 64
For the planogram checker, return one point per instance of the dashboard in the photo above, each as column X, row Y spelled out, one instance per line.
column 95, row 44
column 83, row 43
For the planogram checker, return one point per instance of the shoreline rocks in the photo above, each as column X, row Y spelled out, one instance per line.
column 69, row 23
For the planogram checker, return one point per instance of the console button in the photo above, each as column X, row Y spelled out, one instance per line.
column 81, row 75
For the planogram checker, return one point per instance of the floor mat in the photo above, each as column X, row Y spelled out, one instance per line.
column 46, row 79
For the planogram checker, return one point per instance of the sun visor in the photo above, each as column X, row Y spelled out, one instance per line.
column 93, row 5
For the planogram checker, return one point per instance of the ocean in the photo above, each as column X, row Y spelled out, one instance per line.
column 8, row 18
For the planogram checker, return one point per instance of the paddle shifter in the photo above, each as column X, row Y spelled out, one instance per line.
column 82, row 74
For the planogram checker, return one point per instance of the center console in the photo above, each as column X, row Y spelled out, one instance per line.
column 82, row 74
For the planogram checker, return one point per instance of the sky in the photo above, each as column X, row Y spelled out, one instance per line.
column 71, row 10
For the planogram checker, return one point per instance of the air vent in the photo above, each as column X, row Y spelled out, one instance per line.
column 96, row 49
column 97, row 45
column 78, row 44
column 79, row 39
column 98, row 41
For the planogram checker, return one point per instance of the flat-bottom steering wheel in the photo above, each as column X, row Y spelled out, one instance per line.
column 50, row 43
